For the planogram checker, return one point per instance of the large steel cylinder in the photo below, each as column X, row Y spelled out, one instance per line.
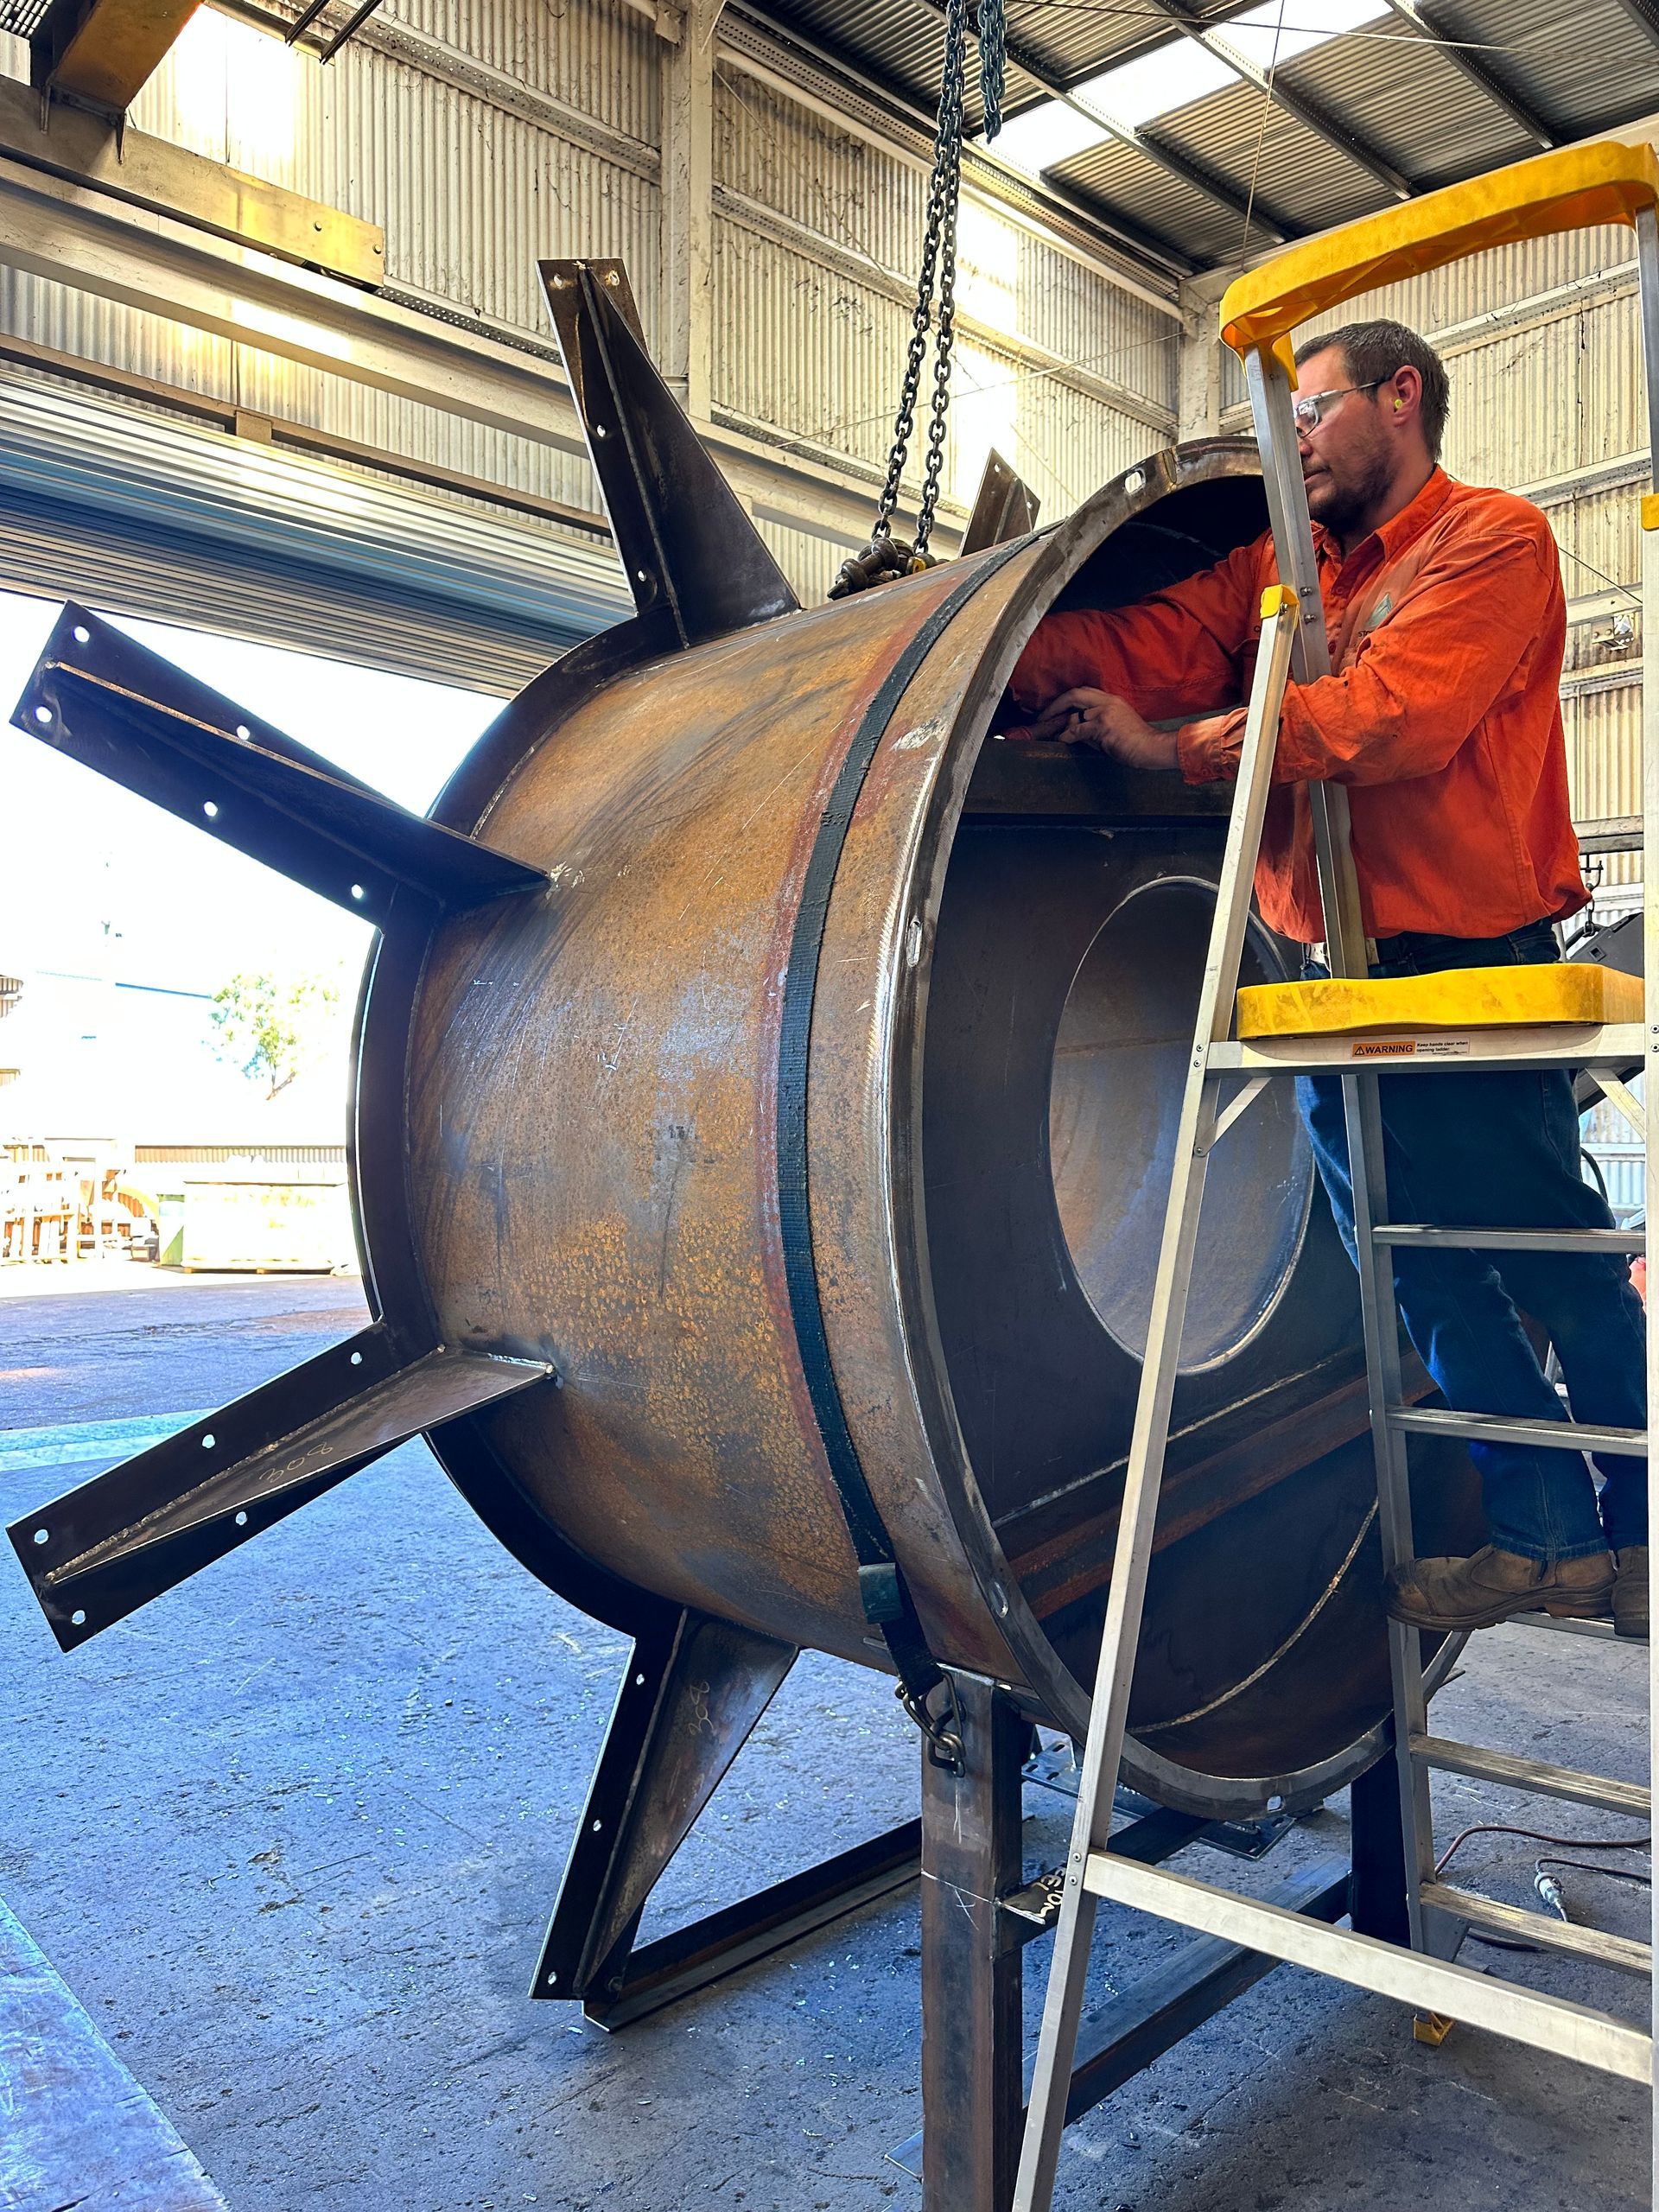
column 815, row 1032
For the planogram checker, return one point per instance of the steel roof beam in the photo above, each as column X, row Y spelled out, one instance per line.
column 104, row 54
column 1470, row 65
column 1645, row 14
column 1332, row 128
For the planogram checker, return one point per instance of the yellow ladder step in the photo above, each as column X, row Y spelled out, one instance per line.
column 1457, row 998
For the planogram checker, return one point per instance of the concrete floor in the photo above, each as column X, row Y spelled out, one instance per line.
column 291, row 1832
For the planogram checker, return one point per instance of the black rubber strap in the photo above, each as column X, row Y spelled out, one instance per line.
column 888, row 1602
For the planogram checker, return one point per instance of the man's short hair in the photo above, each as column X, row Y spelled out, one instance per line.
column 1373, row 351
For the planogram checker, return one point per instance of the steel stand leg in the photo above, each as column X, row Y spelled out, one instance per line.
column 1377, row 1900
column 972, row 2061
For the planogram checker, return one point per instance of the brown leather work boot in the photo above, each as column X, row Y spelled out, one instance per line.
column 1463, row 1593
column 1630, row 1592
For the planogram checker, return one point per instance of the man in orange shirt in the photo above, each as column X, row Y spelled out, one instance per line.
column 1447, row 623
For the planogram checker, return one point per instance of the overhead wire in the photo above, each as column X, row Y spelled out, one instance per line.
column 1261, row 133
column 1022, row 376
column 843, row 427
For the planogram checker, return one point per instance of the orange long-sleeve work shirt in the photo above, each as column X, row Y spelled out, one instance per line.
column 1442, row 716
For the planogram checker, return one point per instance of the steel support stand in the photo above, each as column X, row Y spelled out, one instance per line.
column 972, row 1984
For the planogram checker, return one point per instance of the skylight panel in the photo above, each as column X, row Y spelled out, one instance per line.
column 1137, row 91
column 1175, row 74
column 1045, row 136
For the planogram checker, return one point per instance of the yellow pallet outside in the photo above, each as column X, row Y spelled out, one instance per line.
column 1456, row 998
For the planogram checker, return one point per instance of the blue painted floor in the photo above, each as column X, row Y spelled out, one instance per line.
column 291, row 1832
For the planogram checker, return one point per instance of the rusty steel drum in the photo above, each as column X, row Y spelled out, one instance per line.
column 601, row 1090
column 766, row 1074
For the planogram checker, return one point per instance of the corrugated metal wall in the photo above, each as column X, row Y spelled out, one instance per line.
column 817, row 235
column 1543, row 346
column 482, row 135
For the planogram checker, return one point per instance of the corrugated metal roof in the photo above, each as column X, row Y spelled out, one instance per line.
column 1580, row 65
column 1118, row 176
column 1260, row 148
column 899, row 44
column 1588, row 67
column 1406, row 98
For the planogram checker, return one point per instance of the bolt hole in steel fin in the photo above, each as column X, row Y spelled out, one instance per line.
column 122, row 1539
column 664, row 1757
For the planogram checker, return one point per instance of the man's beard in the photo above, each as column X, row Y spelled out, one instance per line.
column 1346, row 505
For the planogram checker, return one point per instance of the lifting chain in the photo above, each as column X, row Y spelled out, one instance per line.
column 885, row 556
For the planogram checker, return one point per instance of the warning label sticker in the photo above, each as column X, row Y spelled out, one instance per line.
column 1408, row 1048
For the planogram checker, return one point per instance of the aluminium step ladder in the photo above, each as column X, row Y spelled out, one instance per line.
column 1413, row 1024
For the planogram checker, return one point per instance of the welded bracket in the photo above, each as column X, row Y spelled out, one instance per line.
column 101, row 1551
column 1004, row 507
column 691, row 1694
column 105, row 700
column 684, row 538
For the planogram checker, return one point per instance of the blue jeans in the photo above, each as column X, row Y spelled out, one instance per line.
column 1492, row 1152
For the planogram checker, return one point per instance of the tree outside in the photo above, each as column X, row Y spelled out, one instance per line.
column 274, row 1027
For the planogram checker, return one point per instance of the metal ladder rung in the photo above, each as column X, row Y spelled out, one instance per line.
column 1409, row 1234
column 1482, row 1764
column 1517, row 1925
column 1496, row 1428
column 1605, row 1630
column 1431, row 1985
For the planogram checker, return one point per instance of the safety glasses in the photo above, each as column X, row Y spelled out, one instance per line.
column 1310, row 412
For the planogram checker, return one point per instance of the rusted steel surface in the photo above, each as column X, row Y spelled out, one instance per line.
column 593, row 1114
column 1003, row 978
column 788, row 1131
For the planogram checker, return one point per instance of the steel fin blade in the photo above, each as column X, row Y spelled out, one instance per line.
column 108, row 702
column 1004, row 507
column 101, row 1551
column 681, row 531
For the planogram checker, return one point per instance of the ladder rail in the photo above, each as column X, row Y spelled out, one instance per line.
column 1121, row 1635
column 1416, row 1978
column 1271, row 398
column 1533, row 1776
column 1647, row 255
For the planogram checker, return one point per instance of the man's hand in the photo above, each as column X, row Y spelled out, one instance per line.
column 1110, row 725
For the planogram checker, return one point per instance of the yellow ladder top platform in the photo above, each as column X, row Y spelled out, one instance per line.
column 1456, row 998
